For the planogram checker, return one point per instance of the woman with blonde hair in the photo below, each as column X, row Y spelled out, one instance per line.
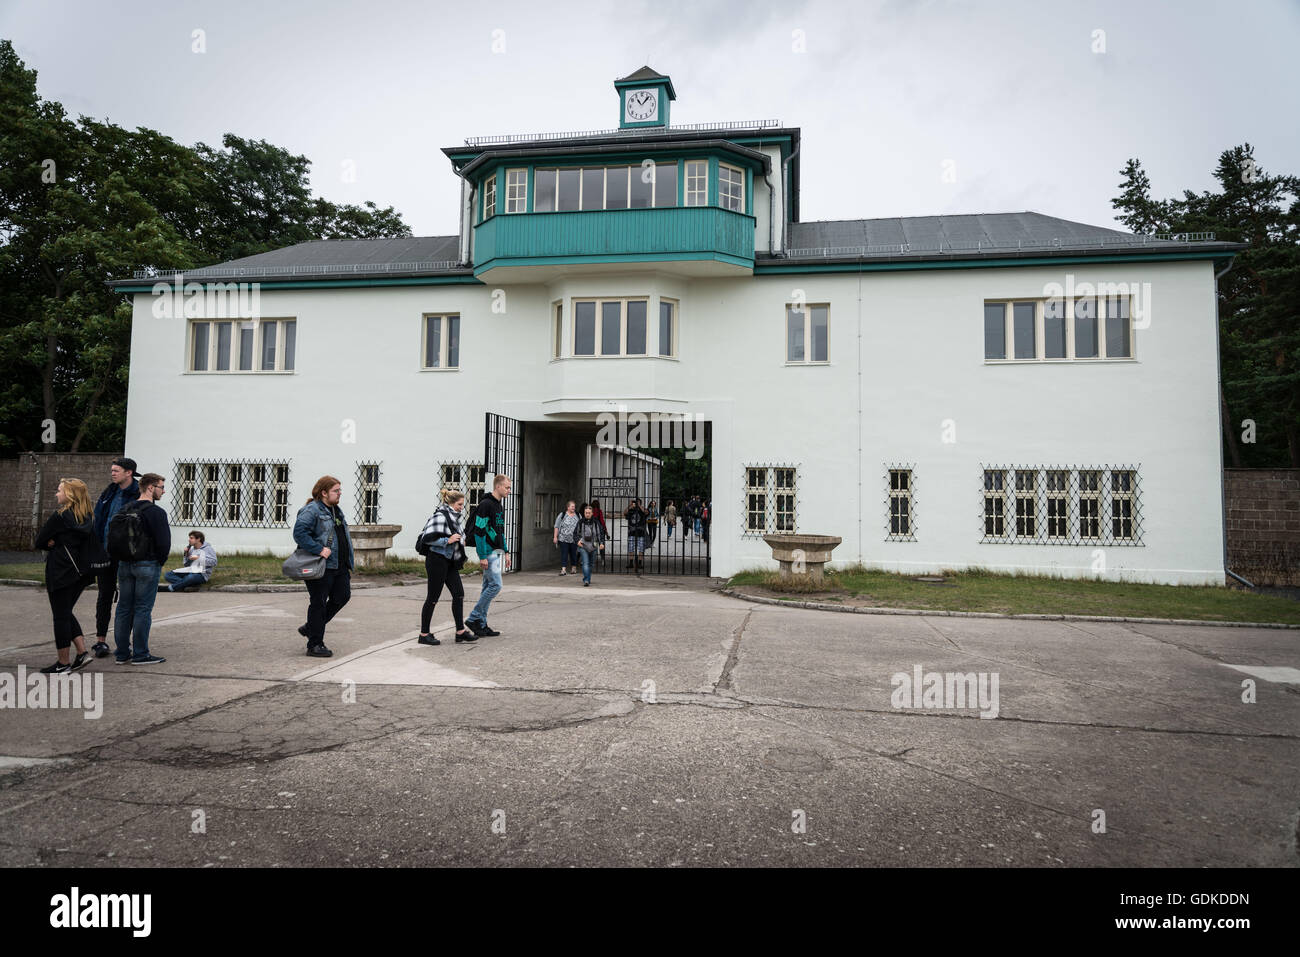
column 74, row 557
column 445, row 541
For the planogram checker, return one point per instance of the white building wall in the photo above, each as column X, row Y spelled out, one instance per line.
column 907, row 346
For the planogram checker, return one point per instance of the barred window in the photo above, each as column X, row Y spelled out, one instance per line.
column 994, row 503
column 367, row 499
column 901, row 528
column 231, row 494
column 771, row 500
column 539, row 511
column 1062, row 506
column 466, row 477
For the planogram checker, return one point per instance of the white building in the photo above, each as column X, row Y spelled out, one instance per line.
column 1010, row 391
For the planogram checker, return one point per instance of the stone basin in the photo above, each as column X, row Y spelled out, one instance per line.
column 802, row 557
column 370, row 544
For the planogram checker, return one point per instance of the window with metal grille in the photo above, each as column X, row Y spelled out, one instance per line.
column 771, row 500
column 225, row 494
column 465, row 477
column 1054, row 505
column 367, row 508
column 899, row 483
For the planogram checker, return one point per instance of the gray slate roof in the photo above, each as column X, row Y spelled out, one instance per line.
column 968, row 234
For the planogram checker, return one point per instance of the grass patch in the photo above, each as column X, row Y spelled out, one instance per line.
column 1011, row 594
column 255, row 569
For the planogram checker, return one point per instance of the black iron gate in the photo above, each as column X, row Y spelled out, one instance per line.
column 503, row 453
column 681, row 548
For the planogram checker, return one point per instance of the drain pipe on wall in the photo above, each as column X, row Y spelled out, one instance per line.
column 1223, row 485
column 771, row 214
column 785, row 197
column 860, row 501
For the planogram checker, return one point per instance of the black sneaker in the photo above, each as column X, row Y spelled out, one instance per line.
column 466, row 635
column 586, row 584
column 475, row 627
column 486, row 632
column 319, row 651
column 148, row 660
column 121, row 661
column 302, row 630
column 164, row 589
column 429, row 640
column 57, row 668
column 100, row 648
column 82, row 659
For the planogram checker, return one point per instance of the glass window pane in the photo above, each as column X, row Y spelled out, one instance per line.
column 544, row 187
column 584, row 328
column 247, row 332
column 568, row 191
column 666, row 184
column 995, row 330
column 559, row 327
column 432, row 342
column 642, row 188
column 223, row 345
column 1117, row 329
column 1085, row 329
column 794, row 335
column 665, row 328
column 636, row 313
column 268, row 346
column 697, row 181
column 611, row 328
column 1054, row 329
column 616, row 187
column 593, row 189
column 819, row 333
column 453, row 342
column 290, row 343
column 1022, row 319
column 199, row 363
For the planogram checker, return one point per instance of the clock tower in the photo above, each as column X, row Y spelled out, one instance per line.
column 643, row 99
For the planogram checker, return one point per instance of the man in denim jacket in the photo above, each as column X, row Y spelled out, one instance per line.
column 319, row 523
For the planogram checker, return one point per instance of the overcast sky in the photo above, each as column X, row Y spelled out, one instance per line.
column 1015, row 93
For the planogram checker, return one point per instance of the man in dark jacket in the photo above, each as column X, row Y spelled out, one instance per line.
column 122, row 489
column 137, row 578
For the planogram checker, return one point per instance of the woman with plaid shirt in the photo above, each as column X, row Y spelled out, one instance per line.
column 442, row 534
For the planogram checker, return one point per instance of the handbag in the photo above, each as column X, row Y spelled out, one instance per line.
column 302, row 565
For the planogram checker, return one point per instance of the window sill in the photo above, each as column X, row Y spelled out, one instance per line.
column 788, row 362
column 1056, row 362
column 240, row 372
column 439, row 369
column 635, row 356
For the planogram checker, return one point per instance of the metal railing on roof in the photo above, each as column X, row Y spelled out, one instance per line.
column 509, row 138
column 267, row 271
column 980, row 245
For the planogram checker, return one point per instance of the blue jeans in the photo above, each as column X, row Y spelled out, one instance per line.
column 178, row 580
column 491, row 587
column 586, row 558
column 137, row 587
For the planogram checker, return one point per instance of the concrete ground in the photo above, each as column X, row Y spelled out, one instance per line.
column 652, row 722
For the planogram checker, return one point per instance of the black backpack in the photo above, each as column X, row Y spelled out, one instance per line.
column 128, row 536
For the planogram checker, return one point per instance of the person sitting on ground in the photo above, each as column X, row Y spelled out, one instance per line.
column 591, row 539
column 198, row 553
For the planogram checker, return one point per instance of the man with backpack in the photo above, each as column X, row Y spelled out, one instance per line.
column 122, row 490
column 140, row 538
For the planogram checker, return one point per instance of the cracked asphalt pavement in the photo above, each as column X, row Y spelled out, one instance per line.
column 650, row 722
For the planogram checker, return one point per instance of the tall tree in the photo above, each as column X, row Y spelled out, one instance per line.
column 1259, row 299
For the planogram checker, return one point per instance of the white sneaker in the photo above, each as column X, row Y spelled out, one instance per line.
column 563, row 571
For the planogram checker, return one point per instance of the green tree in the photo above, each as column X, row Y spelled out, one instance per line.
column 1259, row 298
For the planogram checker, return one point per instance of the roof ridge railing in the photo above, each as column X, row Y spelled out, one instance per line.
column 148, row 272
column 979, row 245
column 507, row 138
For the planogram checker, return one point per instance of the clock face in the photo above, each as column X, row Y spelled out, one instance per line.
column 641, row 105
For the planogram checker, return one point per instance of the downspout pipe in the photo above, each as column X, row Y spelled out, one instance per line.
column 1223, row 485
column 771, row 215
column 785, row 182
